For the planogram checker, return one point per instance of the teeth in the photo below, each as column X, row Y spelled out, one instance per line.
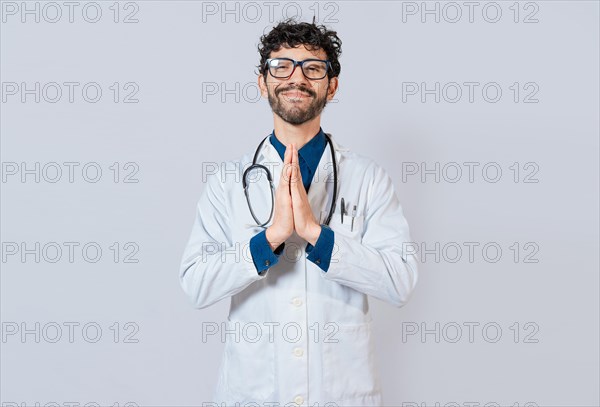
column 296, row 95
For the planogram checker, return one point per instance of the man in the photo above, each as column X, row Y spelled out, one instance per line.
column 299, row 328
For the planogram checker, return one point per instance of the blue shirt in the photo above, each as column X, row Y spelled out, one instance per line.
column 320, row 254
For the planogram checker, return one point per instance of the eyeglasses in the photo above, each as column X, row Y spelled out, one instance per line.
column 283, row 68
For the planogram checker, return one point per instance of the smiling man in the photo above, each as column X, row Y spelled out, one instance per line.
column 298, row 79
column 298, row 257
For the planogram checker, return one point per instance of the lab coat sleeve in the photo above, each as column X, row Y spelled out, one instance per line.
column 379, row 265
column 213, row 266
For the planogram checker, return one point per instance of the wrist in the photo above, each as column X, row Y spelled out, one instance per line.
column 273, row 238
column 313, row 234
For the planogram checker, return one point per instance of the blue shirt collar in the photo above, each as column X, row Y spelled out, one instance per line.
column 311, row 152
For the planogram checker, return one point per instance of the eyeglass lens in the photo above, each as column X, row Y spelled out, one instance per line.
column 282, row 68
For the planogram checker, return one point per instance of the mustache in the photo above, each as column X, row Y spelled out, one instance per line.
column 304, row 90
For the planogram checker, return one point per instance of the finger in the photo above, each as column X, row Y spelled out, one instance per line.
column 291, row 165
column 285, row 172
column 297, row 179
column 294, row 155
column 289, row 173
column 288, row 159
column 296, row 184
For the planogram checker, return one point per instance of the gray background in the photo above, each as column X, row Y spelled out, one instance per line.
column 175, row 128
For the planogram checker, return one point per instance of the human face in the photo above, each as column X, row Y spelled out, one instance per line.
column 297, row 99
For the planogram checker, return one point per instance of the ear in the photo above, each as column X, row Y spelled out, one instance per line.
column 262, row 86
column 333, row 86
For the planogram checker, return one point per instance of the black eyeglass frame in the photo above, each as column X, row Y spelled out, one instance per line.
column 301, row 64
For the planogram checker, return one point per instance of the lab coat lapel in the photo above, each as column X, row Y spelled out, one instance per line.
column 320, row 192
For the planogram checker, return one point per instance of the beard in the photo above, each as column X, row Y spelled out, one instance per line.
column 295, row 112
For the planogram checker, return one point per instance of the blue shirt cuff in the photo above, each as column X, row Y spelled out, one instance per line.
column 262, row 254
column 320, row 253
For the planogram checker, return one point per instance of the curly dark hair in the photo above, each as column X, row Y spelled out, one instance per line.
column 293, row 33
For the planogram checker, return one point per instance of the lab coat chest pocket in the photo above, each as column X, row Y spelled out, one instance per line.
column 349, row 369
column 348, row 229
column 249, row 369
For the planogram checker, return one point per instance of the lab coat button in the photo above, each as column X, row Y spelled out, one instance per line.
column 298, row 352
column 297, row 301
column 298, row 400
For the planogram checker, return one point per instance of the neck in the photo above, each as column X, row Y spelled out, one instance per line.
column 298, row 134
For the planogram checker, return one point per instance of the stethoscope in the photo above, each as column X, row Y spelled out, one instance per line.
column 262, row 167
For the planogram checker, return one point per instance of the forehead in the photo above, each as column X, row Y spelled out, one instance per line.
column 298, row 53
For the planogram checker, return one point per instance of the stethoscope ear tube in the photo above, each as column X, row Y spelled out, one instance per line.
column 245, row 185
column 253, row 166
column 335, row 178
column 262, row 225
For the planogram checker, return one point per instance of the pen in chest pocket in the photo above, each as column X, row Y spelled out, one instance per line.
column 343, row 211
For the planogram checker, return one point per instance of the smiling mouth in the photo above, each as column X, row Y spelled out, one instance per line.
column 296, row 95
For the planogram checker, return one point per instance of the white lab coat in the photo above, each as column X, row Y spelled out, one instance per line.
column 298, row 335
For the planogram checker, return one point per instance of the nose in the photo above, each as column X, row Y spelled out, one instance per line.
column 298, row 76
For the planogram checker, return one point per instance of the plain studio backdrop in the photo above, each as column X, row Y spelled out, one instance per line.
column 485, row 114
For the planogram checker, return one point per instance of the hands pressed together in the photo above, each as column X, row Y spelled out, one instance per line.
column 292, row 209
